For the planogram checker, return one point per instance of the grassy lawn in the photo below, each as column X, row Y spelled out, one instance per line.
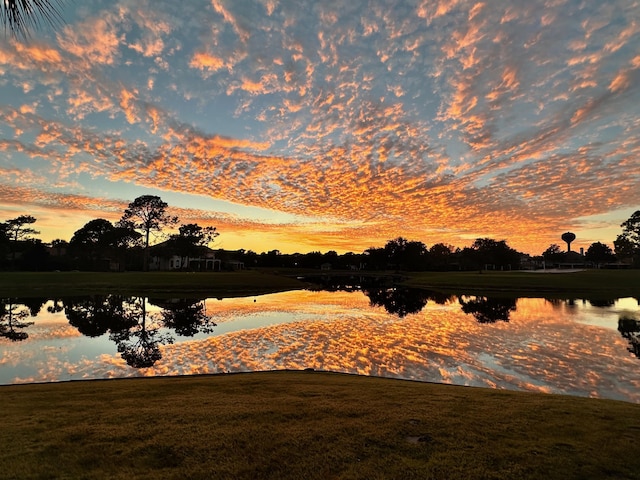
column 594, row 284
column 228, row 284
column 310, row 425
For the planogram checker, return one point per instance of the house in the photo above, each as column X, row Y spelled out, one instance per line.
column 164, row 258
column 229, row 261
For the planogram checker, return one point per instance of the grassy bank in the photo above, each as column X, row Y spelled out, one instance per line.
column 593, row 284
column 293, row 425
column 228, row 284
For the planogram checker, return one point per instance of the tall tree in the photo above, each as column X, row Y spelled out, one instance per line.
column 599, row 253
column 627, row 244
column 148, row 214
column 486, row 251
column 405, row 254
column 440, row 255
column 553, row 254
column 99, row 239
column 17, row 230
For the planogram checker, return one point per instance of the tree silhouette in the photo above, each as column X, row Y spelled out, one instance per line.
column 99, row 240
column 16, row 230
column 440, row 255
column 486, row 251
column 148, row 214
column 553, row 253
column 599, row 253
column 627, row 244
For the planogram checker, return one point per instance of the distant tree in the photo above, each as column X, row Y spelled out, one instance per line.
column 330, row 257
column 599, row 253
column 99, row 239
column 272, row 258
column 627, row 245
column 406, row 254
column 20, row 16
column 309, row 260
column 4, row 233
column 5, row 244
column 486, row 251
column 441, row 255
column 17, row 229
column 376, row 258
column 95, row 234
column 553, row 254
column 395, row 251
column 35, row 256
column 148, row 214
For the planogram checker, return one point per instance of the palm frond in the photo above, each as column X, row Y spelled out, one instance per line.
column 19, row 17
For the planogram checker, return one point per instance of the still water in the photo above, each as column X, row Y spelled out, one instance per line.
column 575, row 347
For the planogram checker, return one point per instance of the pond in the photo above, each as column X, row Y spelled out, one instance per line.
column 575, row 347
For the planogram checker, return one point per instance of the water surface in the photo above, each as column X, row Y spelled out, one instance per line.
column 572, row 347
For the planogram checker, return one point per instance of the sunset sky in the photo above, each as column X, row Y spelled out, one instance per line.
column 329, row 125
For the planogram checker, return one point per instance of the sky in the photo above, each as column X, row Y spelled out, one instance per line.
column 329, row 125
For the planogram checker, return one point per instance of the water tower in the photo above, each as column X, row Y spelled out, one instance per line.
column 568, row 237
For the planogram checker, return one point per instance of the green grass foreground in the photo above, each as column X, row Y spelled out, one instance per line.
column 309, row 425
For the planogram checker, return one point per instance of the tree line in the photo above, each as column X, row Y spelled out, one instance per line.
column 125, row 245
column 101, row 244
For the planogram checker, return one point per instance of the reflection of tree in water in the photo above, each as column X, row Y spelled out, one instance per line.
column 398, row 301
column 137, row 334
column 558, row 303
column 187, row 316
column 629, row 328
column 96, row 315
column 33, row 304
column 12, row 315
column 488, row 310
column 139, row 345
column 352, row 283
column 602, row 303
column 57, row 305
